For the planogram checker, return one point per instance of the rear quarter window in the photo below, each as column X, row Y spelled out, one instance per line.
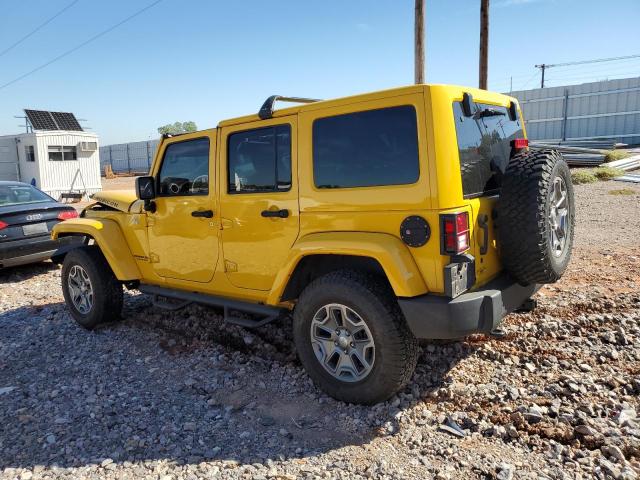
column 484, row 147
column 368, row 148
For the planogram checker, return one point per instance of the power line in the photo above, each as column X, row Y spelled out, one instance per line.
column 593, row 78
column 12, row 46
column 544, row 66
column 621, row 70
column 77, row 47
column 598, row 60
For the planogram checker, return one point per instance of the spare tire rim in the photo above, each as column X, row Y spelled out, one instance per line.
column 342, row 342
column 558, row 216
column 80, row 289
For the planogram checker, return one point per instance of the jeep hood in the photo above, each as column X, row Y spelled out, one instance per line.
column 119, row 199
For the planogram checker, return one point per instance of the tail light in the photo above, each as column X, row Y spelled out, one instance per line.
column 67, row 214
column 3, row 225
column 454, row 230
column 519, row 144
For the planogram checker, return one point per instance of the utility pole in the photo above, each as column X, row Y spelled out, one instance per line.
column 419, row 42
column 484, row 44
column 542, row 68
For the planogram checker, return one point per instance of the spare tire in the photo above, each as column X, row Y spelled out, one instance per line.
column 535, row 217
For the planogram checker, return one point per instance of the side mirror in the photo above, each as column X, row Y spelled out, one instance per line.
column 146, row 188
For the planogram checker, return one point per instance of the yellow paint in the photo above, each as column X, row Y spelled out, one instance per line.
column 255, row 247
column 118, row 199
column 109, row 238
column 388, row 250
column 182, row 246
column 240, row 254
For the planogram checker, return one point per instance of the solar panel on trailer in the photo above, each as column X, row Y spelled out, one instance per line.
column 66, row 121
column 41, row 120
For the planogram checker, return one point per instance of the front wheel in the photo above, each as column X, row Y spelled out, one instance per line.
column 91, row 290
column 352, row 338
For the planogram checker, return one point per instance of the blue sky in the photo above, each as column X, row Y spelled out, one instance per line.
column 208, row 60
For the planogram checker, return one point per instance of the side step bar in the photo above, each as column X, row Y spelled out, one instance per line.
column 184, row 298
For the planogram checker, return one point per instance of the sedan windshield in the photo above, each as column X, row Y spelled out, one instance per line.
column 21, row 194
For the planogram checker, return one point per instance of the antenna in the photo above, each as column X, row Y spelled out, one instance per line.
column 27, row 125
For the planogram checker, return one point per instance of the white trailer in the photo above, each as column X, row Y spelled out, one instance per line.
column 57, row 161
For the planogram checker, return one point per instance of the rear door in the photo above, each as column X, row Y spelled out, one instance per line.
column 258, row 199
column 484, row 147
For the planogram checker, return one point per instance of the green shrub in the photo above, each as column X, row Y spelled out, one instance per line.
column 607, row 173
column 581, row 176
column 613, row 155
column 622, row 191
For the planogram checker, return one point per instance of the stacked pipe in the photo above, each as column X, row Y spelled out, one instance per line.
column 575, row 156
column 626, row 164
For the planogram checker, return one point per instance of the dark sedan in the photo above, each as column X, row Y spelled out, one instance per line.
column 26, row 218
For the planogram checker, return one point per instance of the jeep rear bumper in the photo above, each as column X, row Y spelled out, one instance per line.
column 480, row 311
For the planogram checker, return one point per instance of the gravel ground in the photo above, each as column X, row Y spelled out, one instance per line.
column 173, row 396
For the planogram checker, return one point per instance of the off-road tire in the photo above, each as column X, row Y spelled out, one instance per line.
column 107, row 290
column 523, row 217
column 396, row 349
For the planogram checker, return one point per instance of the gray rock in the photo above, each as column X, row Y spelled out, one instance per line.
column 505, row 471
column 613, row 451
column 626, row 417
column 4, row 390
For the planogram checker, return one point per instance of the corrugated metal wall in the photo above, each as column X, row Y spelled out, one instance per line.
column 131, row 157
column 607, row 110
column 9, row 169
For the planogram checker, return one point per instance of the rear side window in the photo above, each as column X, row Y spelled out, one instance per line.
column 484, row 147
column 185, row 168
column 364, row 149
column 260, row 160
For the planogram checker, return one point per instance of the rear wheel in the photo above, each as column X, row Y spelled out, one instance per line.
column 352, row 339
column 91, row 290
column 536, row 217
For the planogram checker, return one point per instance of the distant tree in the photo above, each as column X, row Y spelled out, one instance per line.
column 178, row 127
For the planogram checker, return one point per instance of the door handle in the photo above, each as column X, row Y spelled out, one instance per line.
column 202, row 213
column 284, row 213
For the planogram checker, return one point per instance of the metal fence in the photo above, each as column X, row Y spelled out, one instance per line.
column 608, row 110
column 9, row 171
column 134, row 157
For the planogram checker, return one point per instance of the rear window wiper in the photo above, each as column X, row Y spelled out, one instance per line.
column 488, row 112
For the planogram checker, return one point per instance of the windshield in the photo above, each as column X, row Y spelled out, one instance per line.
column 21, row 194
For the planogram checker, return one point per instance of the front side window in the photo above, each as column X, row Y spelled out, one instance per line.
column 369, row 148
column 60, row 153
column 185, row 168
column 260, row 160
column 29, row 153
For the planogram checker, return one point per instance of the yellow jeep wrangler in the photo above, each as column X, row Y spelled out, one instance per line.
column 377, row 219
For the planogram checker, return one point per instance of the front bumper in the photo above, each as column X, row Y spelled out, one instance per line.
column 481, row 311
column 30, row 250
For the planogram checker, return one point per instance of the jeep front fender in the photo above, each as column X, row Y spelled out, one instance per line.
column 108, row 236
column 392, row 255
